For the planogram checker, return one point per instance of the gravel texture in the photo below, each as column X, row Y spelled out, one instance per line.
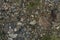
column 29, row 19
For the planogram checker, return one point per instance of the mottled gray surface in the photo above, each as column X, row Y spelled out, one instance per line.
column 27, row 20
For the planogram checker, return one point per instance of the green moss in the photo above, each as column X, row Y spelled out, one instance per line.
column 17, row 1
column 30, row 5
column 33, row 4
column 46, row 37
column 54, row 37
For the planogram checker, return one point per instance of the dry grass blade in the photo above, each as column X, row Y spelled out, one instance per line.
column 44, row 22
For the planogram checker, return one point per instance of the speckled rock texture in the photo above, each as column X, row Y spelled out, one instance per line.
column 29, row 19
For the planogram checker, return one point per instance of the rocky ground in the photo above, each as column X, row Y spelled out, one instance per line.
column 29, row 20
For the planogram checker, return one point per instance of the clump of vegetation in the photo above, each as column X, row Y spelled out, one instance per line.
column 30, row 5
column 54, row 37
column 33, row 4
column 17, row 1
column 46, row 37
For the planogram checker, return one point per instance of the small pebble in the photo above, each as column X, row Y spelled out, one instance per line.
column 10, row 39
column 19, row 23
column 13, row 35
column 33, row 22
column 57, row 27
column 32, row 15
column 15, row 29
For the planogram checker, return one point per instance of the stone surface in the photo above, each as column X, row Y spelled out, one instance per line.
column 21, row 21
